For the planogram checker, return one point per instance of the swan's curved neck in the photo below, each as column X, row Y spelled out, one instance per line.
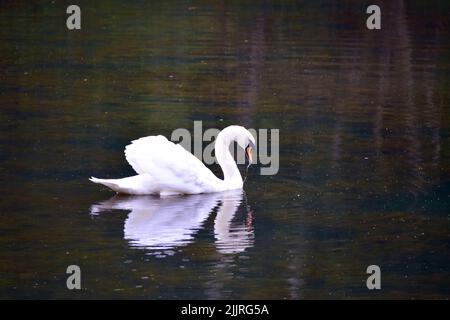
column 225, row 159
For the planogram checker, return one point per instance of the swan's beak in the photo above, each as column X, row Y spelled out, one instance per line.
column 249, row 154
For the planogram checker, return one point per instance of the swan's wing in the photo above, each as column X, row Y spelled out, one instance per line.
column 172, row 167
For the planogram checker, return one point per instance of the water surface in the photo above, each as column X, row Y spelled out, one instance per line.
column 364, row 149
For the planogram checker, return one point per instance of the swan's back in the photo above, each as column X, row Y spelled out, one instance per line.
column 171, row 167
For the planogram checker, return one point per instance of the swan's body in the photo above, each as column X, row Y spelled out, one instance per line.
column 166, row 168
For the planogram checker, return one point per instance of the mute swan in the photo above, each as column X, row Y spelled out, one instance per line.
column 165, row 168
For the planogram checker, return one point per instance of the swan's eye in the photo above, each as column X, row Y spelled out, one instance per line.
column 249, row 154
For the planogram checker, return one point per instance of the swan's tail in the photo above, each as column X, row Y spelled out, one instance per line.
column 110, row 183
column 139, row 184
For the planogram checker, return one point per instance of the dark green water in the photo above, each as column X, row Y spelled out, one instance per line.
column 364, row 119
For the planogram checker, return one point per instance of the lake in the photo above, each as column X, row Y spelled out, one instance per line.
column 364, row 157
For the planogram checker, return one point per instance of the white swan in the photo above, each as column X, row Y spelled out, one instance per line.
column 166, row 168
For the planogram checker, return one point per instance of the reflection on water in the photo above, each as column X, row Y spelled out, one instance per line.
column 166, row 223
column 364, row 148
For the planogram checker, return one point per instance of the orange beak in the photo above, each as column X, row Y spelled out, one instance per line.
column 249, row 154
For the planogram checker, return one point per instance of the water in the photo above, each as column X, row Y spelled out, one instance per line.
column 364, row 149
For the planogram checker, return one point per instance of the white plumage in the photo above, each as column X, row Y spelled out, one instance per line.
column 166, row 168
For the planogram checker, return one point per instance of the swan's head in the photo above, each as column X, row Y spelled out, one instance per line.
column 249, row 147
column 243, row 138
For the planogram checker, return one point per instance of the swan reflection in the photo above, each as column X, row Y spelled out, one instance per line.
column 170, row 222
